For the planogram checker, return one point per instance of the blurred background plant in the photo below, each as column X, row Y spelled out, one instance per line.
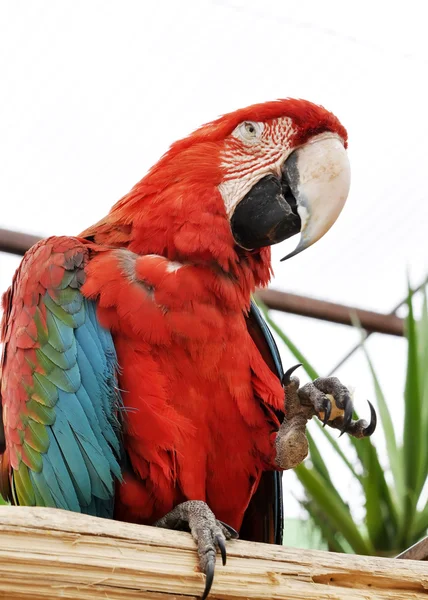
column 395, row 514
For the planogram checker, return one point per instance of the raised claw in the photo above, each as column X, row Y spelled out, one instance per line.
column 325, row 397
column 286, row 378
column 371, row 427
column 331, row 401
column 360, row 428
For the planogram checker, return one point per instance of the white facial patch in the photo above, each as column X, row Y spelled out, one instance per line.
column 246, row 164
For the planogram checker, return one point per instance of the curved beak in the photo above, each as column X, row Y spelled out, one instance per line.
column 307, row 197
column 319, row 177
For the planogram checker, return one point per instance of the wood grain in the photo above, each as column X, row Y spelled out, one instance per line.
column 46, row 553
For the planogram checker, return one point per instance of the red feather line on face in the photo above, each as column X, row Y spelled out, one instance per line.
column 309, row 119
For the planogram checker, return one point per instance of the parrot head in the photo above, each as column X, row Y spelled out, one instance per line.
column 284, row 170
column 237, row 185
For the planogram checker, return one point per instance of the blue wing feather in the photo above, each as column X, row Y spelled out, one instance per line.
column 57, row 477
column 82, row 461
column 65, row 446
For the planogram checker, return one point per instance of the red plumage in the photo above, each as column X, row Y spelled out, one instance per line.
column 174, row 288
column 189, row 370
column 202, row 429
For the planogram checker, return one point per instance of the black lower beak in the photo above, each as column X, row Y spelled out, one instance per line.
column 266, row 215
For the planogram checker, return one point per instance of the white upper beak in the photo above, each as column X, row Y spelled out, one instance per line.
column 319, row 176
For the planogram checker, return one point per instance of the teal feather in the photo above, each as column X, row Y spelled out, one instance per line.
column 71, row 427
column 90, row 349
column 103, row 374
column 58, row 476
column 100, row 508
column 101, row 428
column 63, row 360
column 92, row 382
column 95, row 330
column 106, row 378
column 57, row 310
column 70, row 299
column 68, row 381
column 60, row 335
column 72, row 457
column 99, row 488
column 78, row 422
column 40, row 501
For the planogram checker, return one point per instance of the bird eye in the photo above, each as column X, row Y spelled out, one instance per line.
column 249, row 131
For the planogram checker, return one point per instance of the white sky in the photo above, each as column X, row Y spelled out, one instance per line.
column 94, row 91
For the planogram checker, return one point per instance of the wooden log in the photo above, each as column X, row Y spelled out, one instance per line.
column 46, row 553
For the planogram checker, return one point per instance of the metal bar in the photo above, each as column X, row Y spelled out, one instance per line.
column 361, row 342
column 418, row 551
column 15, row 242
column 329, row 311
column 18, row 243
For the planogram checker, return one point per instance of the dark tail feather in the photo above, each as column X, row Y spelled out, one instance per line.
column 263, row 519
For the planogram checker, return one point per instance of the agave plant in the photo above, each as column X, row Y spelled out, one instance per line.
column 395, row 516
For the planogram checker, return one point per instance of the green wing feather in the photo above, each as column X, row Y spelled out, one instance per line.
column 59, row 387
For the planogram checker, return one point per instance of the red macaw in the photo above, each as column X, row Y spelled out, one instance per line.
column 139, row 382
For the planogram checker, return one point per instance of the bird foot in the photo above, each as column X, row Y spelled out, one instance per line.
column 325, row 397
column 208, row 532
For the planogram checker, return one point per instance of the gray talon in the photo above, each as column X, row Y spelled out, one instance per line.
column 222, row 546
column 331, row 401
column 361, row 428
column 286, row 378
column 208, row 533
column 373, row 422
column 209, row 573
